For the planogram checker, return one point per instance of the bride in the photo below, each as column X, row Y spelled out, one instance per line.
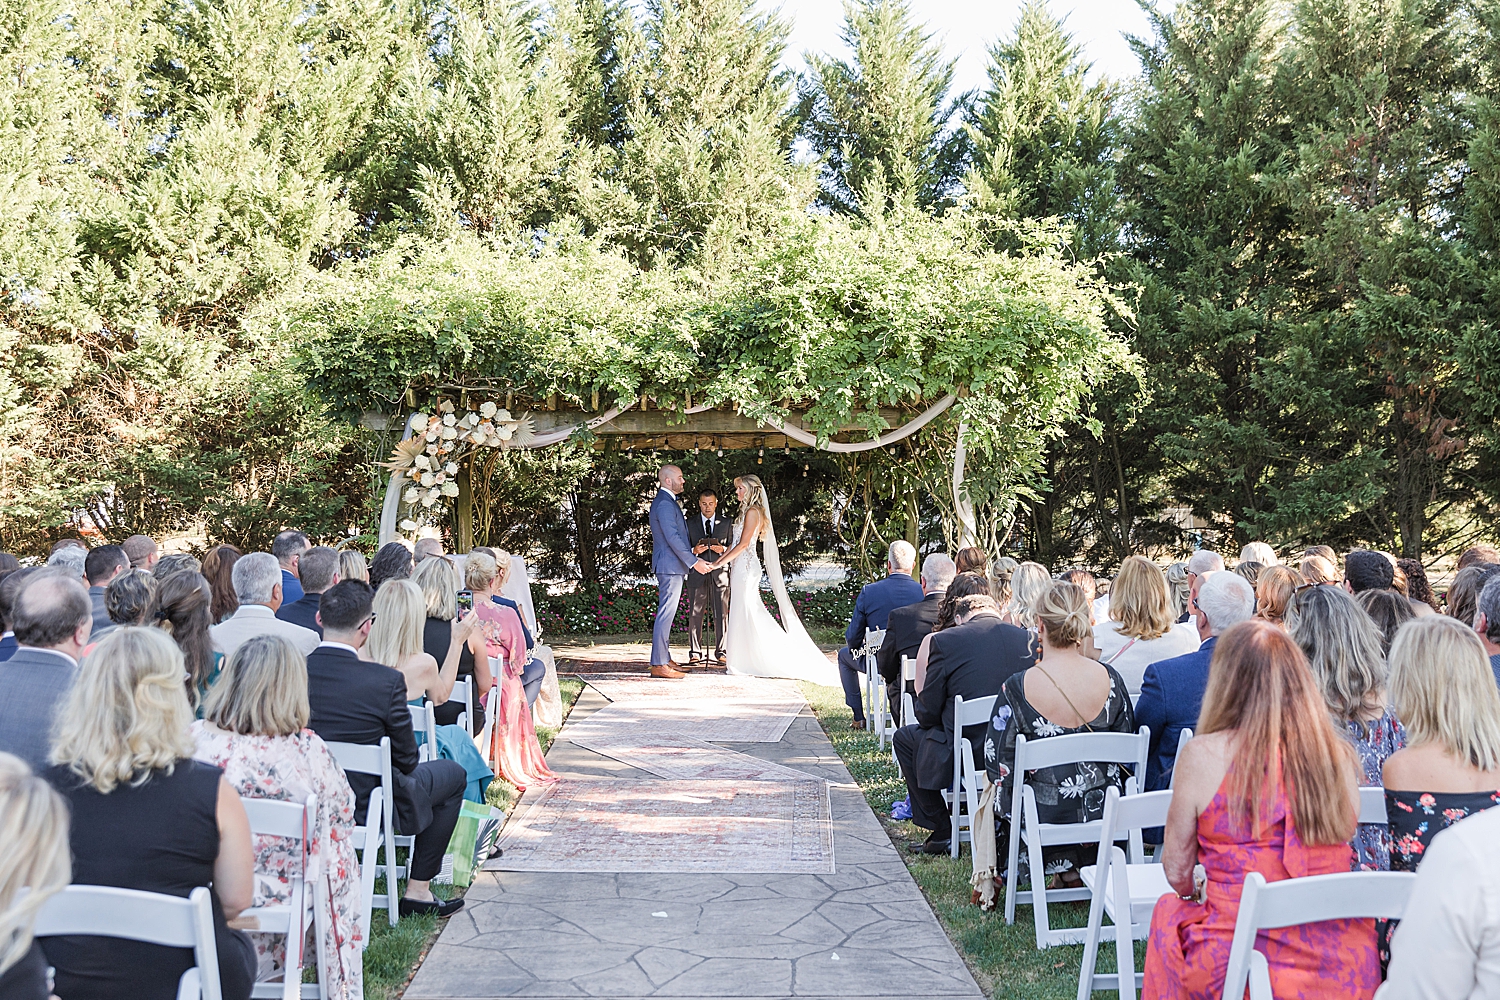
column 755, row 643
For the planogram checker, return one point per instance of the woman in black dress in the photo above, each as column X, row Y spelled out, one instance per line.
column 33, row 842
column 440, row 584
column 146, row 816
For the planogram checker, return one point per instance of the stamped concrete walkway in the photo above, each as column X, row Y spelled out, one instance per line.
column 864, row 931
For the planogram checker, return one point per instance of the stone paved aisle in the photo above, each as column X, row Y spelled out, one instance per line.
column 757, row 936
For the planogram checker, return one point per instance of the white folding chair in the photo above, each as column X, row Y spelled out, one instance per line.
column 874, row 698
column 1126, row 892
column 289, row 820
column 1372, row 805
column 379, row 830
column 968, row 780
column 484, row 740
column 1025, row 825
column 463, row 690
column 1289, row 902
column 424, row 721
column 908, row 700
column 149, row 917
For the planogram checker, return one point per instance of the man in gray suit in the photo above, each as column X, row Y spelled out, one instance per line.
column 52, row 620
column 101, row 566
column 671, row 558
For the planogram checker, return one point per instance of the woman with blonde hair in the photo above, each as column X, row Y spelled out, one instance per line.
column 1343, row 649
column 1268, row 785
column 515, row 749
column 147, row 816
column 440, row 583
column 1027, row 585
column 34, row 843
column 1442, row 688
column 255, row 729
column 353, row 566
column 1318, row 570
column 1143, row 627
column 396, row 641
column 1065, row 692
column 1000, row 573
column 1178, row 587
column 1273, row 590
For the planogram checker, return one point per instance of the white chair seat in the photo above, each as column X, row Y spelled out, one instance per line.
column 1148, row 883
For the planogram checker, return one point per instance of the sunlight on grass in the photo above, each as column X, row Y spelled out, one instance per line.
column 1004, row 960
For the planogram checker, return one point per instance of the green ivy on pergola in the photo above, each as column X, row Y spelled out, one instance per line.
column 840, row 336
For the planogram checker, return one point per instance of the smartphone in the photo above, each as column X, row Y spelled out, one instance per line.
column 465, row 601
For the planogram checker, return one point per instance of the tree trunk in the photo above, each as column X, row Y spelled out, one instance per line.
column 463, row 512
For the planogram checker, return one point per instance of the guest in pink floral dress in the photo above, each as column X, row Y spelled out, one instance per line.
column 517, row 753
column 1268, row 785
column 254, row 727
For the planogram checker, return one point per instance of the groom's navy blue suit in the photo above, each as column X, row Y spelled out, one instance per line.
column 671, row 558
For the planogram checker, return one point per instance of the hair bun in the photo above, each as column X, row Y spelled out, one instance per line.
column 1064, row 609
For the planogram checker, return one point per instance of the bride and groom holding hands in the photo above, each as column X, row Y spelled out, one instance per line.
column 705, row 545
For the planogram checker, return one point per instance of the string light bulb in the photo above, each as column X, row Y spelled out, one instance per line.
column 804, row 472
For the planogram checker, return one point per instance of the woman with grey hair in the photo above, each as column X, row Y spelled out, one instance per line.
column 130, row 598
column 1344, row 650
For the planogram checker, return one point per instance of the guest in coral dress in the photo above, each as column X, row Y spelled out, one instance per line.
column 516, row 753
column 1268, row 785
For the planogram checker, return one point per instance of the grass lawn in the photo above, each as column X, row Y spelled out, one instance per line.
column 1004, row 960
column 395, row 952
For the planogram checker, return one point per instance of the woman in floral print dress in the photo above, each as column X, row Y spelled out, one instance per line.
column 1444, row 692
column 1066, row 692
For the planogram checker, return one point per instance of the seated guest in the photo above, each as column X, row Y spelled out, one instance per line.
column 146, row 816
column 1462, row 599
column 1201, row 563
column 1318, row 570
column 254, row 727
column 176, row 563
column 1098, row 596
column 1322, row 552
column 970, row 560
column 392, row 562
column 1235, row 813
column 317, row 569
column 396, row 641
column 143, row 552
column 34, row 843
column 1444, row 693
column 906, row 627
column 1343, row 649
column 352, row 566
column 1273, row 590
column 1259, row 552
column 1063, row 692
column 182, row 612
column 1249, row 571
column 1143, row 629
column 1388, row 610
column 257, row 588
column 218, row 570
column 70, row 559
column 963, row 585
column 439, row 582
column 1479, row 555
column 130, row 598
column 1487, row 621
column 971, row 659
column 1177, row 586
column 356, row 701
column 52, row 619
column 503, row 568
column 1000, row 573
column 534, row 672
column 1027, row 584
column 1418, row 587
column 288, row 547
column 10, row 589
column 1366, row 570
column 100, row 567
column 1448, row 947
column 872, row 608
column 1172, row 690
column 425, row 549
column 514, row 746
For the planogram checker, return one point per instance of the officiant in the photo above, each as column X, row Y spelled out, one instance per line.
column 710, row 537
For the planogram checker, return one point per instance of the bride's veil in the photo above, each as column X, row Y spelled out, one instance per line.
column 789, row 620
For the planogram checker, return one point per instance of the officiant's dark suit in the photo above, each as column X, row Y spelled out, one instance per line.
column 973, row 660
column 707, row 527
column 904, row 631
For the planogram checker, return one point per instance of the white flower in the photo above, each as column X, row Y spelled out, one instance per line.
column 451, row 468
column 408, row 525
column 487, row 409
column 504, row 433
column 429, row 500
column 449, row 419
column 502, row 415
column 1073, row 788
column 989, row 749
column 422, row 462
column 440, row 478
column 1045, row 728
column 449, row 433
column 419, row 420
column 411, row 495
column 431, row 436
column 450, row 489
column 426, row 479
column 471, row 418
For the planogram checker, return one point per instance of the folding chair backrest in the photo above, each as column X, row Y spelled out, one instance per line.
column 874, row 638
column 1136, row 812
column 1104, row 748
column 424, row 721
column 463, row 690
column 290, row 820
column 1372, row 805
column 149, row 917
column 1294, row 901
column 379, row 821
column 908, row 668
column 972, row 712
column 1182, row 741
column 274, row 818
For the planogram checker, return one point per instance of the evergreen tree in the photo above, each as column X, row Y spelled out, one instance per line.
column 879, row 121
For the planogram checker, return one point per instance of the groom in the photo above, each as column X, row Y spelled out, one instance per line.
column 671, row 558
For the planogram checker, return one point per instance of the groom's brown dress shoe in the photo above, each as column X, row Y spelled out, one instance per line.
column 667, row 671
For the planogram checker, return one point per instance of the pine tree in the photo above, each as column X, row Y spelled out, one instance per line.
column 879, row 121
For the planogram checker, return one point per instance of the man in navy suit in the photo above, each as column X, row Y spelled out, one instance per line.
column 872, row 609
column 317, row 570
column 288, row 547
column 1172, row 690
column 671, row 558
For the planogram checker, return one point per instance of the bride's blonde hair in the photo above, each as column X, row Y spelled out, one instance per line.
column 756, row 499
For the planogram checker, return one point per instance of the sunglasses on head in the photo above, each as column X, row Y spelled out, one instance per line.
column 1309, row 586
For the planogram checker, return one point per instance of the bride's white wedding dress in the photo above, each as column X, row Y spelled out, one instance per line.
column 755, row 644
